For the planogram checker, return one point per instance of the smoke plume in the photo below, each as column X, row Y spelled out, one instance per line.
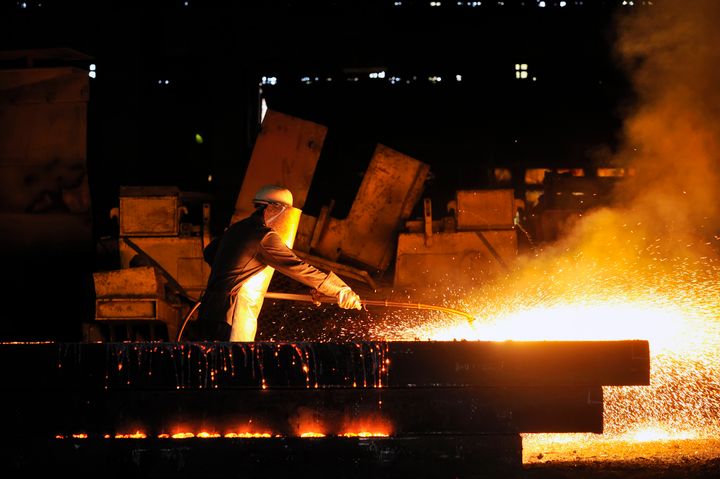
column 671, row 52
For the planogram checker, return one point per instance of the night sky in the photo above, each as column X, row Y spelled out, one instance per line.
column 434, row 80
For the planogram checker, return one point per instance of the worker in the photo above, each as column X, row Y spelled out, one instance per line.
column 244, row 250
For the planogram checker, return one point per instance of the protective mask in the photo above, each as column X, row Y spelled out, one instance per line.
column 272, row 213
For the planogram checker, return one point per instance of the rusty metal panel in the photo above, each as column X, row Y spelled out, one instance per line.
column 391, row 187
column 286, row 152
column 134, row 308
column 468, row 257
column 143, row 281
column 180, row 256
column 149, row 211
column 43, row 173
column 305, row 231
column 485, row 209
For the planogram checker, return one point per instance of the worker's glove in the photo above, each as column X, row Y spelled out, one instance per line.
column 316, row 296
column 347, row 299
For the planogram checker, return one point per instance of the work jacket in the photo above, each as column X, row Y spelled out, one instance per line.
column 244, row 250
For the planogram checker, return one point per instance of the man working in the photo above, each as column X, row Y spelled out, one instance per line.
column 244, row 250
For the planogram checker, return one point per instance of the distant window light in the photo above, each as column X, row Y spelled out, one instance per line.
column 210, row 178
column 328, row 79
column 570, row 171
column 541, row 4
column 353, row 79
column 266, row 80
column 618, row 172
column 167, row 82
column 398, row 4
column 435, row 79
column 199, row 139
column 435, row 4
column 458, row 77
column 535, row 176
column 92, row 74
column 395, row 79
column 502, row 175
column 562, row 4
column 93, row 67
column 306, row 80
column 521, row 71
column 23, row 5
column 380, row 74
column 187, row 4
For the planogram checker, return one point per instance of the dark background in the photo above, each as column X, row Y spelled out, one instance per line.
column 142, row 130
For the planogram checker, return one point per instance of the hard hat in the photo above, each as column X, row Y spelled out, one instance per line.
column 273, row 194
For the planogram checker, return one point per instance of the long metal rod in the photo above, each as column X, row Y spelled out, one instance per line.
column 370, row 302
column 329, row 299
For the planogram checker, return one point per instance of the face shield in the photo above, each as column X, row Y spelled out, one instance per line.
column 272, row 211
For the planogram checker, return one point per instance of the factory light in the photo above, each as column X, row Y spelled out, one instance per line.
column 521, row 70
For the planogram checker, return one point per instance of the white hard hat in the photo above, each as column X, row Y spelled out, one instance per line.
column 273, row 194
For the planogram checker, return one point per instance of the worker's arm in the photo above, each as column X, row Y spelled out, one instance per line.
column 276, row 254
column 211, row 250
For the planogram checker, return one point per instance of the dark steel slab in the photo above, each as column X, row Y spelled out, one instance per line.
column 173, row 366
column 362, row 458
column 290, row 412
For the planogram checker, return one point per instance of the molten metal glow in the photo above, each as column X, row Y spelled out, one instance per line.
column 135, row 435
column 615, row 282
column 232, row 435
column 365, row 434
column 312, row 434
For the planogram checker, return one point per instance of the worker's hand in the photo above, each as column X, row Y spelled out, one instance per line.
column 347, row 299
column 316, row 297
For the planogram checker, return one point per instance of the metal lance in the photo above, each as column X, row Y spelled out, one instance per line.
column 372, row 302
